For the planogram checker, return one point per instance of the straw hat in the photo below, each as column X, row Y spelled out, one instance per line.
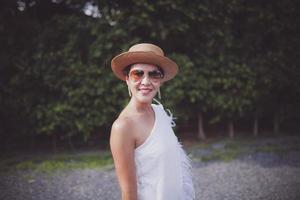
column 144, row 53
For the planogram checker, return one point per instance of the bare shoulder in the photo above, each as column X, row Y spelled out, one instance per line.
column 121, row 125
column 121, row 131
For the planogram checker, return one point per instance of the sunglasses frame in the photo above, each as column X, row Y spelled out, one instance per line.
column 139, row 75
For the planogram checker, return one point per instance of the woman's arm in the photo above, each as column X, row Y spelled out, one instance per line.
column 122, row 144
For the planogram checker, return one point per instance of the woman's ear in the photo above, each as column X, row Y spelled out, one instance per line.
column 127, row 79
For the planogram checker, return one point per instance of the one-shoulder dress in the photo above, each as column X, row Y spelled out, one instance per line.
column 163, row 169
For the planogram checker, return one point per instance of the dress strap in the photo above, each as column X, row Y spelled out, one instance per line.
column 156, row 101
column 171, row 117
column 168, row 112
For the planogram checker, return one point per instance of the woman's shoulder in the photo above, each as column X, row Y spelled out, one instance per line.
column 122, row 123
column 121, row 135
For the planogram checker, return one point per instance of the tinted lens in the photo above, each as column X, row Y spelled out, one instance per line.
column 156, row 75
column 136, row 75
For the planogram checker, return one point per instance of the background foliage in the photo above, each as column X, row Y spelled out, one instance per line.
column 238, row 61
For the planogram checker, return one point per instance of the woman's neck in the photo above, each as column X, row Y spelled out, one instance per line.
column 139, row 107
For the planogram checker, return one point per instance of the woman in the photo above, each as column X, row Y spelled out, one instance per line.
column 150, row 163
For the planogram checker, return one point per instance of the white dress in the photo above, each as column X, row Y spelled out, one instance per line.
column 162, row 167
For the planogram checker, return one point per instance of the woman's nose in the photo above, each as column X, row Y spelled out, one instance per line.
column 145, row 80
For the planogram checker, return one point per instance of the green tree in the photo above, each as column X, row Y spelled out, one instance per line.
column 270, row 39
column 236, row 58
column 187, row 92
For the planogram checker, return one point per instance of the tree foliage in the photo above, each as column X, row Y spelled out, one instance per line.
column 236, row 58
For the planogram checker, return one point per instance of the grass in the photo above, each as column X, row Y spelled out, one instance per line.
column 62, row 161
column 229, row 150
column 217, row 149
column 278, row 149
column 225, row 156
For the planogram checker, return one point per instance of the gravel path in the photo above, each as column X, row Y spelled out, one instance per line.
column 255, row 176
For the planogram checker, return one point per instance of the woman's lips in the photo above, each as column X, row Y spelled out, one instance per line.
column 145, row 91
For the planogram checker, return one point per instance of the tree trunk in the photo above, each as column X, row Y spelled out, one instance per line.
column 231, row 130
column 71, row 145
column 276, row 123
column 54, row 143
column 255, row 126
column 201, row 134
column 32, row 142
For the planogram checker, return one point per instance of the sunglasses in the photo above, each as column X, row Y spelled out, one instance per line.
column 138, row 74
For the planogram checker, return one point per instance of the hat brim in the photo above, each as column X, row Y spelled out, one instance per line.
column 120, row 62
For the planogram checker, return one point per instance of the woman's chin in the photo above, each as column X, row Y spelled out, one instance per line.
column 144, row 98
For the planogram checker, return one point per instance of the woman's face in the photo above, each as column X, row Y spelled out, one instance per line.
column 144, row 81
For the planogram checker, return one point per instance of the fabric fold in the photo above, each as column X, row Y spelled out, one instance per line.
column 163, row 168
